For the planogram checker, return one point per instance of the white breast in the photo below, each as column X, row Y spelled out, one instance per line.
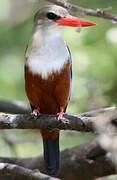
column 47, row 53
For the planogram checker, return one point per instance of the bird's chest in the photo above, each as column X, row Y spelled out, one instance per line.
column 46, row 56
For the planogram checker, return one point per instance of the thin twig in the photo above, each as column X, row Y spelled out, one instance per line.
column 84, row 11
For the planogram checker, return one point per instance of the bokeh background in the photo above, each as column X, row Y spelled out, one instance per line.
column 94, row 57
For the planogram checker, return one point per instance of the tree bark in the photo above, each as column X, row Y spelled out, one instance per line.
column 21, row 172
column 84, row 122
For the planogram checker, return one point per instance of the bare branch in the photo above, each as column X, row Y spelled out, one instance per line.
column 82, row 122
column 84, row 162
column 21, row 172
column 83, row 11
column 14, row 107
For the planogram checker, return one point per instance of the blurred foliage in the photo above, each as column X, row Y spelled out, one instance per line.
column 94, row 57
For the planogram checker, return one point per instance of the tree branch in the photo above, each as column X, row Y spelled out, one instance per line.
column 89, row 158
column 83, row 11
column 14, row 107
column 19, row 172
column 82, row 122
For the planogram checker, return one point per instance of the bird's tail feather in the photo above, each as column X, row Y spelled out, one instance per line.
column 51, row 151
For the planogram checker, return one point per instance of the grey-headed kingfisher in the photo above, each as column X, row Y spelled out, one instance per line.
column 48, row 73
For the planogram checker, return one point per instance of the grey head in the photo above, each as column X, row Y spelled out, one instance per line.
column 47, row 16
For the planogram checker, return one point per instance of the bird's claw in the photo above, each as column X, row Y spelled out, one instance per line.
column 36, row 112
column 60, row 114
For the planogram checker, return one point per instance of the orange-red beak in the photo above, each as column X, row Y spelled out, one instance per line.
column 69, row 20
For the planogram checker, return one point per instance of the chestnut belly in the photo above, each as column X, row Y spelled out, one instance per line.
column 48, row 94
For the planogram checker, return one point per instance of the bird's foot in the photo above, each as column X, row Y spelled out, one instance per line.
column 60, row 114
column 36, row 112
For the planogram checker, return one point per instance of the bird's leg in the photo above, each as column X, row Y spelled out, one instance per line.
column 36, row 112
column 60, row 114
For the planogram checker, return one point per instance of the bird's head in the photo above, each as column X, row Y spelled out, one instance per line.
column 54, row 16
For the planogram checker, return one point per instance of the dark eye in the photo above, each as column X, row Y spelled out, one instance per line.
column 52, row 16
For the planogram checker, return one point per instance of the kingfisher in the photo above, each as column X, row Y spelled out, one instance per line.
column 48, row 73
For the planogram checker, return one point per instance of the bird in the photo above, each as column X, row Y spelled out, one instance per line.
column 48, row 73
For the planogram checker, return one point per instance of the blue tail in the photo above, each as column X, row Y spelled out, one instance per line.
column 52, row 156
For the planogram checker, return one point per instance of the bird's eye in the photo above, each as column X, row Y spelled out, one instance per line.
column 52, row 16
